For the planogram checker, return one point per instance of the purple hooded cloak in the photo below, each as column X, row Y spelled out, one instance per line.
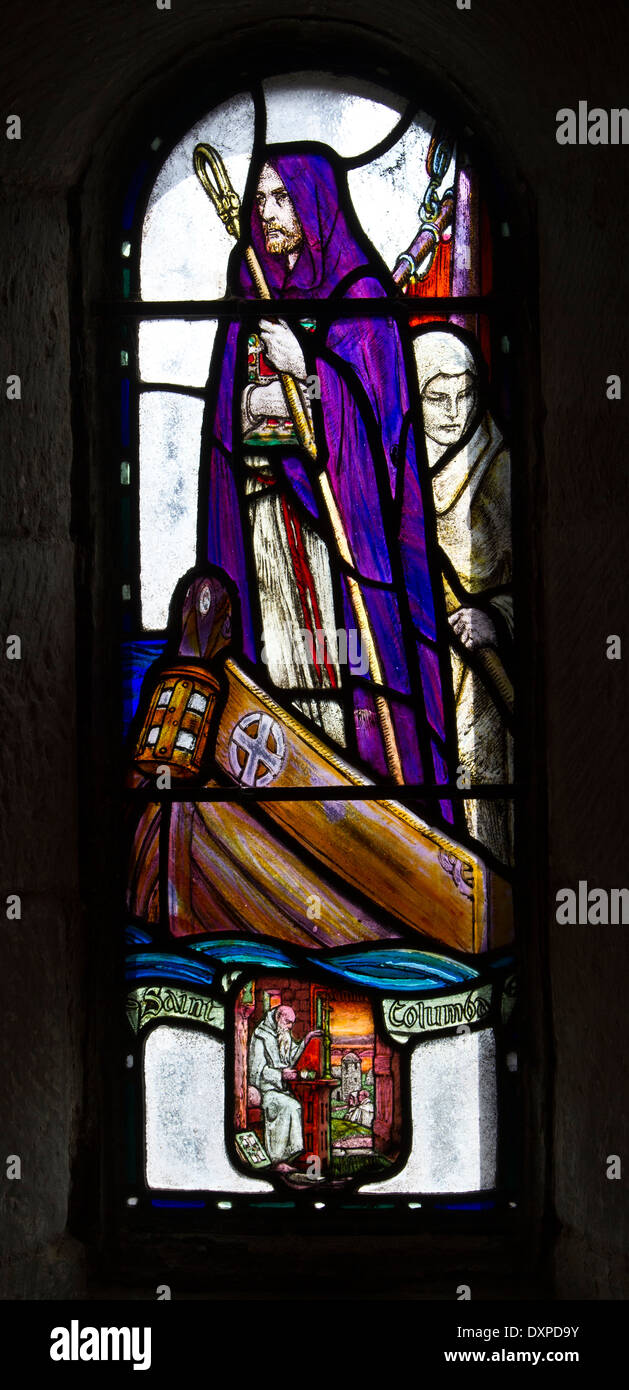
column 365, row 440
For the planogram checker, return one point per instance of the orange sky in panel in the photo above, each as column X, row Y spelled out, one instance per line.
column 350, row 1022
column 351, row 1019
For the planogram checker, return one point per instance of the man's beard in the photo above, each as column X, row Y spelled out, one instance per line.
column 279, row 242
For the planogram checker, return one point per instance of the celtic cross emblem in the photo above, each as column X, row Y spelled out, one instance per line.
column 256, row 749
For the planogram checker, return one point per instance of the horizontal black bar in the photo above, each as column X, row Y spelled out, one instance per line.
column 294, row 308
column 171, row 388
column 394, row 792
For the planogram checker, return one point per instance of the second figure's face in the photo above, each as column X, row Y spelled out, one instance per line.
column 448, row 403
column 285, row 1019
column 280, row 223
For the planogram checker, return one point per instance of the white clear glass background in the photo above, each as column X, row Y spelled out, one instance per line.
column 454, row 1117
column 184, row 1091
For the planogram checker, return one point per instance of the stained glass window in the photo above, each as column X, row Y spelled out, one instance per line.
column 317, row 661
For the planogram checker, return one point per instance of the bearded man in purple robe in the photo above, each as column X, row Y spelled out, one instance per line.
column 268, row 527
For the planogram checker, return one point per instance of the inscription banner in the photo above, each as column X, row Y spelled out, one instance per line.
column 406, row 1018
column 163, row 1001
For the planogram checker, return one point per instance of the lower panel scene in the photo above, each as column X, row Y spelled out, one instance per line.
column 303, row 1033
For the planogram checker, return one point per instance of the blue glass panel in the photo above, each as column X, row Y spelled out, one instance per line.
column 136, row 937
column 401, row 969
column 246, row 951
column 153, row 965
column 124, row 411
column 157, row 1202
column 132, row 194
column 136, row 657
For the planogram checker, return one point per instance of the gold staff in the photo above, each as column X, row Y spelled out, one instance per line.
column 227, row 204
column 495, row 669
column 207, row 161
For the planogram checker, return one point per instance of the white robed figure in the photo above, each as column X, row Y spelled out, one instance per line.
column 362, row 1112
column 472, row 494
column 273, row 1054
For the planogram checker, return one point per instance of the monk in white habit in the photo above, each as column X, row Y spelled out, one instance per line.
column 273, row 1055
column 470, row 473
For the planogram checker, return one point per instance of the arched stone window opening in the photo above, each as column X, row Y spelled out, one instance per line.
column 312, row 509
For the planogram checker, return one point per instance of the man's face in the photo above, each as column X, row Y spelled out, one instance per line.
column 285, row 1020
column 282, row 230
column 448, row 403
